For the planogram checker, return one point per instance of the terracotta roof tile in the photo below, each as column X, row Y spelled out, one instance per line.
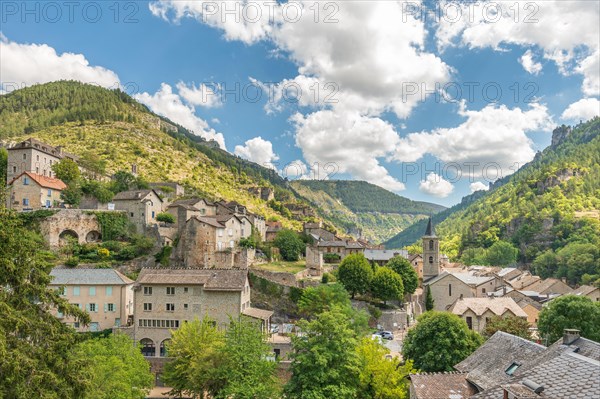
column 43, row 181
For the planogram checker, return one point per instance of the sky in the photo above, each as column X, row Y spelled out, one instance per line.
column 429, row 99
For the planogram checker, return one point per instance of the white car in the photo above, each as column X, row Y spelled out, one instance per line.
column 386, row 335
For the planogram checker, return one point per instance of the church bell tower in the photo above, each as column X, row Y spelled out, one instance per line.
column 431, row 252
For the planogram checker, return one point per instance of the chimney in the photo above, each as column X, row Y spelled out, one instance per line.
column 504, row 290
column 537, row 388
column 570, row 335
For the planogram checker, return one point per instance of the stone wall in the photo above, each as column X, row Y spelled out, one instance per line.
column 75, row 223
column 314, row 261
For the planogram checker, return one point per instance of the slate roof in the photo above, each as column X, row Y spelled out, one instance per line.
column 430, row 230
column 331, row 244
column 566, row 376
column 466, row 278
column 211, row 221
column 43, row 181
column 522, row 281
column 582, row 346
column 479, row 306
column 549, row 286
column 506, row 270
column 256, row 313
column 584, row 290
column 184, row 206
column 384, row 254
column 441, row 386
column 88, row 277
column 211, row 279
column 134, row 195
column 486, row 367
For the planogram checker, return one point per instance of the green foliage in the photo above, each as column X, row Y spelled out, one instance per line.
column 163, row 255
column 501, row 253
column 387, row 285
column 331, row 258
column 99, row 190
column 67, row 171
column 439, row 341
column 290, row 245
column 72, row 194
column 115, row 368
column 31, row 220
column 410, row 278
column 429, row 302
column 113, row 225
column 34, row 345
column 474, row 256
column 512, row 324
column 165, row 217
column 229, row 365
column 325, row 363
column 3, row 165
column 569, row 311
column 355, row 274
column 328, row 278
column 124, row 181
column 315, row 300
column 381, row 378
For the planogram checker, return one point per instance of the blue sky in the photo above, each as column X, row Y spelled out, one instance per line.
column 373, row 55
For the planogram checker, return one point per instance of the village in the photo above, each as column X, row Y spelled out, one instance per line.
column 210, row 262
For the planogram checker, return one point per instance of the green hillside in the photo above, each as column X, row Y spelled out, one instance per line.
column 549, row 210
column 358, row 205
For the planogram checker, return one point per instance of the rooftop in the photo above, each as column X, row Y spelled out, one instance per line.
column 256, row 313
column 42, row 181
column 479, row 306
column 211, row 279
column 441, row 386
column 466, row 278
column 82, row 276
column 584, row 290
column 133, row 195
column 430, row 230
column 384, row 254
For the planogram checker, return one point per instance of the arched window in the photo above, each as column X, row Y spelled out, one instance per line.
column 148, row 347
column 163, row 347
column 431, row 245
column 431, row 259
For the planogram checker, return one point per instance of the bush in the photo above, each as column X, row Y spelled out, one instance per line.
column 72, row 262
column 331, row 258
column 165, row 217
column 112, row 246
column 103, row 252
column 127, row 253
column 290, row 245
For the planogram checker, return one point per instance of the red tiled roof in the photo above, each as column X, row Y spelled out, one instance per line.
column 43, row 181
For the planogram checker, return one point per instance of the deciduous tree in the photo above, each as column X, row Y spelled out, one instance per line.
column 315, row 300
column 67, row 171
column 355, row 274
column 512, row 324
column 387, row 285
column 290, row 245
column 410, row 278
column 570, row 311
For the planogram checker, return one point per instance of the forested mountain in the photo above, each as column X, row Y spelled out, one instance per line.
column 548, row 210
column 110, row 131
column 355, row 205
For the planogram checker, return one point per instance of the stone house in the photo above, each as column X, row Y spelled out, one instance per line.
column 587, row 290
column 523, row 280
column 477, row 312
column 508, row 273
column 549, row 286
column 383, row 256
column 141, row 206
column 272, row 229
column 531, row 308
column 417, row 263
column 259, row 223
column 105, row 294
column 447, row 287
column 168, row 190
column 29, row 191
column 34, row 156
column 167, row 298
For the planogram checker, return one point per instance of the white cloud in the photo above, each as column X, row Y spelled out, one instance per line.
column 202, row 95
column 478, row 186
column 259, row 151
column 29, row 64
column 436, row 185
column 529, row 64
column 563, row 31
column 490, row 140
column 296, row 170
column 584, row 109
column 166, row 103
column 346, row 142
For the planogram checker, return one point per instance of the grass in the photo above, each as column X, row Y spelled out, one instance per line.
column 285, row 267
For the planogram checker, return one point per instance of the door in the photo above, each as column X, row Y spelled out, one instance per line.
column 48, row 204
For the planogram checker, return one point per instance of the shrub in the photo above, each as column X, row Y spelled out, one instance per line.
column 72, row 261
column 331, row 258
column 165, row 217
column 103, row 252
column 112, row 246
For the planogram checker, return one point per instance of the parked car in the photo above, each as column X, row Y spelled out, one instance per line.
column 386, row 335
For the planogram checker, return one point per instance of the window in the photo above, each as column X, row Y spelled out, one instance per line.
column 512, row 368
column 131, row 214
column 147, row 307
column 185, row 306
column 185, row 290
column 24, row 156
column 110, row 307
column 220, row 232
column 25, row 181
column 470, row 322
column 152, row 214
column 147, row 290
column 431, row 245
column 76, row 324
column 26, row 201
column 449, row 289
column 92, row 307
column 431, row 259
column 49, row 193
column 92, row 291
column 61, row 290
column 170, row 307
column 37, row 170
column 109, row 291
column 483, row 290
column 37, row 158
column 14, row 169
column 170, row 290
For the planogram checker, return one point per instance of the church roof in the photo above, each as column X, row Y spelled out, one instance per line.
column 430, row 231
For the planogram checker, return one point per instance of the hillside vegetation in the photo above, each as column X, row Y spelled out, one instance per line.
column 358, row 205
column 548, row 210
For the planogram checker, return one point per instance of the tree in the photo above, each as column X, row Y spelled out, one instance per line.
column 325, row 363
column 34, row 345
column 355, row 274
column 116, row 368
column 501, row 253
column 165, row 217
column 244, row 370
column 439, row 341
column 290, row 245
column 429, row 302
column 124, row 181
column 315, row 300
column 570, row 311
column 67, row 171
column 381, row 378
column 195, row 351
column 387, row 285
column 410, row 278
column 512, row 324
column 3, row 166
column 474, row 256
